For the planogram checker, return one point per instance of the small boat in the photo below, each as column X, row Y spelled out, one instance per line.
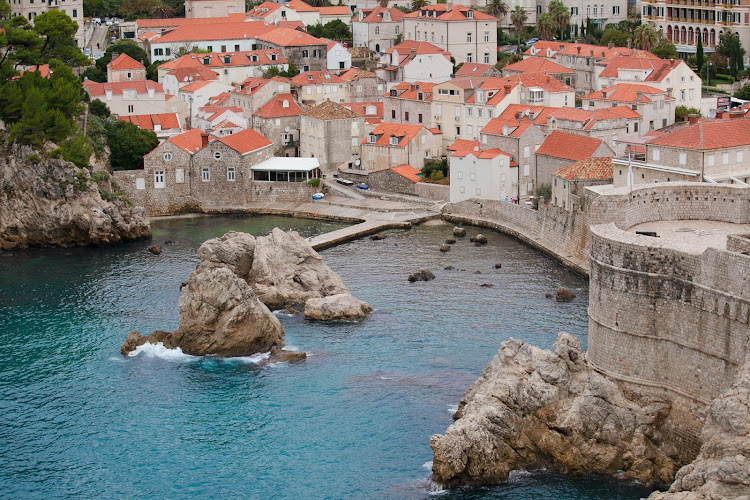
column 362, row 185
column 317, row 196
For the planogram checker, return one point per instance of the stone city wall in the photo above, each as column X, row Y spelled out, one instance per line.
column 436, row 192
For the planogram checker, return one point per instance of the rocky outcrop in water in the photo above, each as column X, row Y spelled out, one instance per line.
column 50, row 202
column 535, row 409
column 722, row 468
column 224, row 305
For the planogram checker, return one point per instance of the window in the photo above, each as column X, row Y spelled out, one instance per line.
column 468, row 37
column 397, row 29
column 419, row 119
column 167, row 156
column 691, row 94
column 131, row 109
column 406, row 116
column 470, row 129
column 596, row 10
column 458, row 131
column 159, row 179
column 75, row 13
column 393, row 114
column 342, row 64
column 656, row 154
column 377, row 30
column 526, row 152
column 359, row 88
column 305, row 53
column 710, row 159
column 205, row 175
column 470, row 14
column 486, row 36
column 683, row 158
column 179, row 175
column 635, row 127
column 210, row 48
column 725, row 158
column 217, row 155
column 230, row 174
column 223, row 48
column 468, row 112
column 394, row 140
column 460, row 175
column 739, row 156
column 469, row 57
column 682, row 94
column 486, row 58
column 236, row 48
column 371, row 139
column 473, row 176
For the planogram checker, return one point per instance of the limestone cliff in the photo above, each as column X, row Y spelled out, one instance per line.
column 722, row 468
column 534, row 409
column 51, row 202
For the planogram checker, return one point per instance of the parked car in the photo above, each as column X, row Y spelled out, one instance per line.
column 531, row 42
column 345, row 182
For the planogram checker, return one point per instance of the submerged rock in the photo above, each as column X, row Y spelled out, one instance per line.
column 155, row 249
column 459, row 231
column 450, row 241
column 342, row 306
column 480, row 239
column 422, row 275
column 224, row 304
column 498, row 265
column 722, row 467
column 564, row 294
column 534, row 409
column 283, row 356
column 377, row 237
column 445, row 248
column 50, row 202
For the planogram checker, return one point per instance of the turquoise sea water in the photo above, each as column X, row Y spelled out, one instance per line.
column 353, row 421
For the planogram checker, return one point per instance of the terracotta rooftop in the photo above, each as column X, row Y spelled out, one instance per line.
column 251, row 85
column 569, row 146
column 541, row 47
column 279, row 106
column 124, row 61
column 245, row 141
column 215, row 31
column 195, row 86
column 330, row 110
column 219, row 59
column 333, row 10
column 301, row 6
column 315, row 78
column 173, row 22
column 167, row 121
column 462, row 148
column 384, row 131
column 404, row 50
column 626, row 92
column 189, row 141
column 537, row 65
column 457, row 13
column 707, row 134
column 362, row 108
column 409, row 90
column 657, row 68
column 117, row 88
column 408, row 172
column 352, row 74
column 193, row 73
column 587, row 169
column 473, row 69
column 376, row 15
column 264, row 9
column 285, row 37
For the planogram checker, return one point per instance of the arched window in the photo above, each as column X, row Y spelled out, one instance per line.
column 588, row 11
column 596, row 10
column 377, row 30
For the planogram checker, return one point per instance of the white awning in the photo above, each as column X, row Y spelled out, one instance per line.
column 286, row 164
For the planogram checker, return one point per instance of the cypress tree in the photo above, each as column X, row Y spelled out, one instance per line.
column 699, row 53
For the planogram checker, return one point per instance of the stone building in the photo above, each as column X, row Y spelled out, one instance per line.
column 412, row 61
column 410, row 103
column 124, row 68
column 560, row 148
column 331, row 133
column 400, row 179
column 392, row 144
column 314, row 87
column 704, row 150
column 182, row 77
column 654, row 105
column 253, row 93
column 481, row 173
column 478, row 70
column 305, row 51
column 372, row 112
column 378, row 28
column 279, row 120
column 469, row 35
column 569, row 183
column 219, row 36
column 213, row 8
column 29, row 10
column 364, row 86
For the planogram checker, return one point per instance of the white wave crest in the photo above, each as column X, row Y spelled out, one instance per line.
column 427, row 465
column 452, row 409
column 159, row 351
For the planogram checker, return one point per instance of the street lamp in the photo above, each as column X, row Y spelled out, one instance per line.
column 708, row 75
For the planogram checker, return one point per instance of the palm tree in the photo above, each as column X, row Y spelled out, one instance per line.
column 497, row 8
column 418, row 4
column 561, row 14
column 645, row 38
column 518, row 19
column 546, row 26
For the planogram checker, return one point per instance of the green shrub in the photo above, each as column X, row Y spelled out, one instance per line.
column 681, row 112
column 98, row 108
column 544, row 190
column 314, row 182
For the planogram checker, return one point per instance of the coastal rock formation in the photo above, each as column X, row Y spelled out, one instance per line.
column 342, row 306
column 221, row 309
column 51, row 202
column 722, row 468
column 459, row 231
column 286, row 272
column 421, row 275
column 534, row 409
column 564, row 294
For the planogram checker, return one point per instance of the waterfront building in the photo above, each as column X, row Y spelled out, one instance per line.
column 253, row 93
column 569, row 183
column 393, row 144
column 467, row 34
column 331, row 133
column 655, row 106
column 400, row 179
column 560, row 148
column 410, row 103
column 481, row 173
column 279, row 121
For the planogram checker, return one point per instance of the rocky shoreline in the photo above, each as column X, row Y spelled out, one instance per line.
column 226, row 303
column 535, row 409
column 47, row 202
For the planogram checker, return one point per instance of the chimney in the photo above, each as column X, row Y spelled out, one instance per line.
column 630, row 43
column 413, row 51
column 204, row 140
column 638, row 96
column 449, row 7
column 693, row 118
column 561, row 47
column 592, row 52
column 611, row 45
column 506, row 87
column 733, row 115
column 578, row 50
